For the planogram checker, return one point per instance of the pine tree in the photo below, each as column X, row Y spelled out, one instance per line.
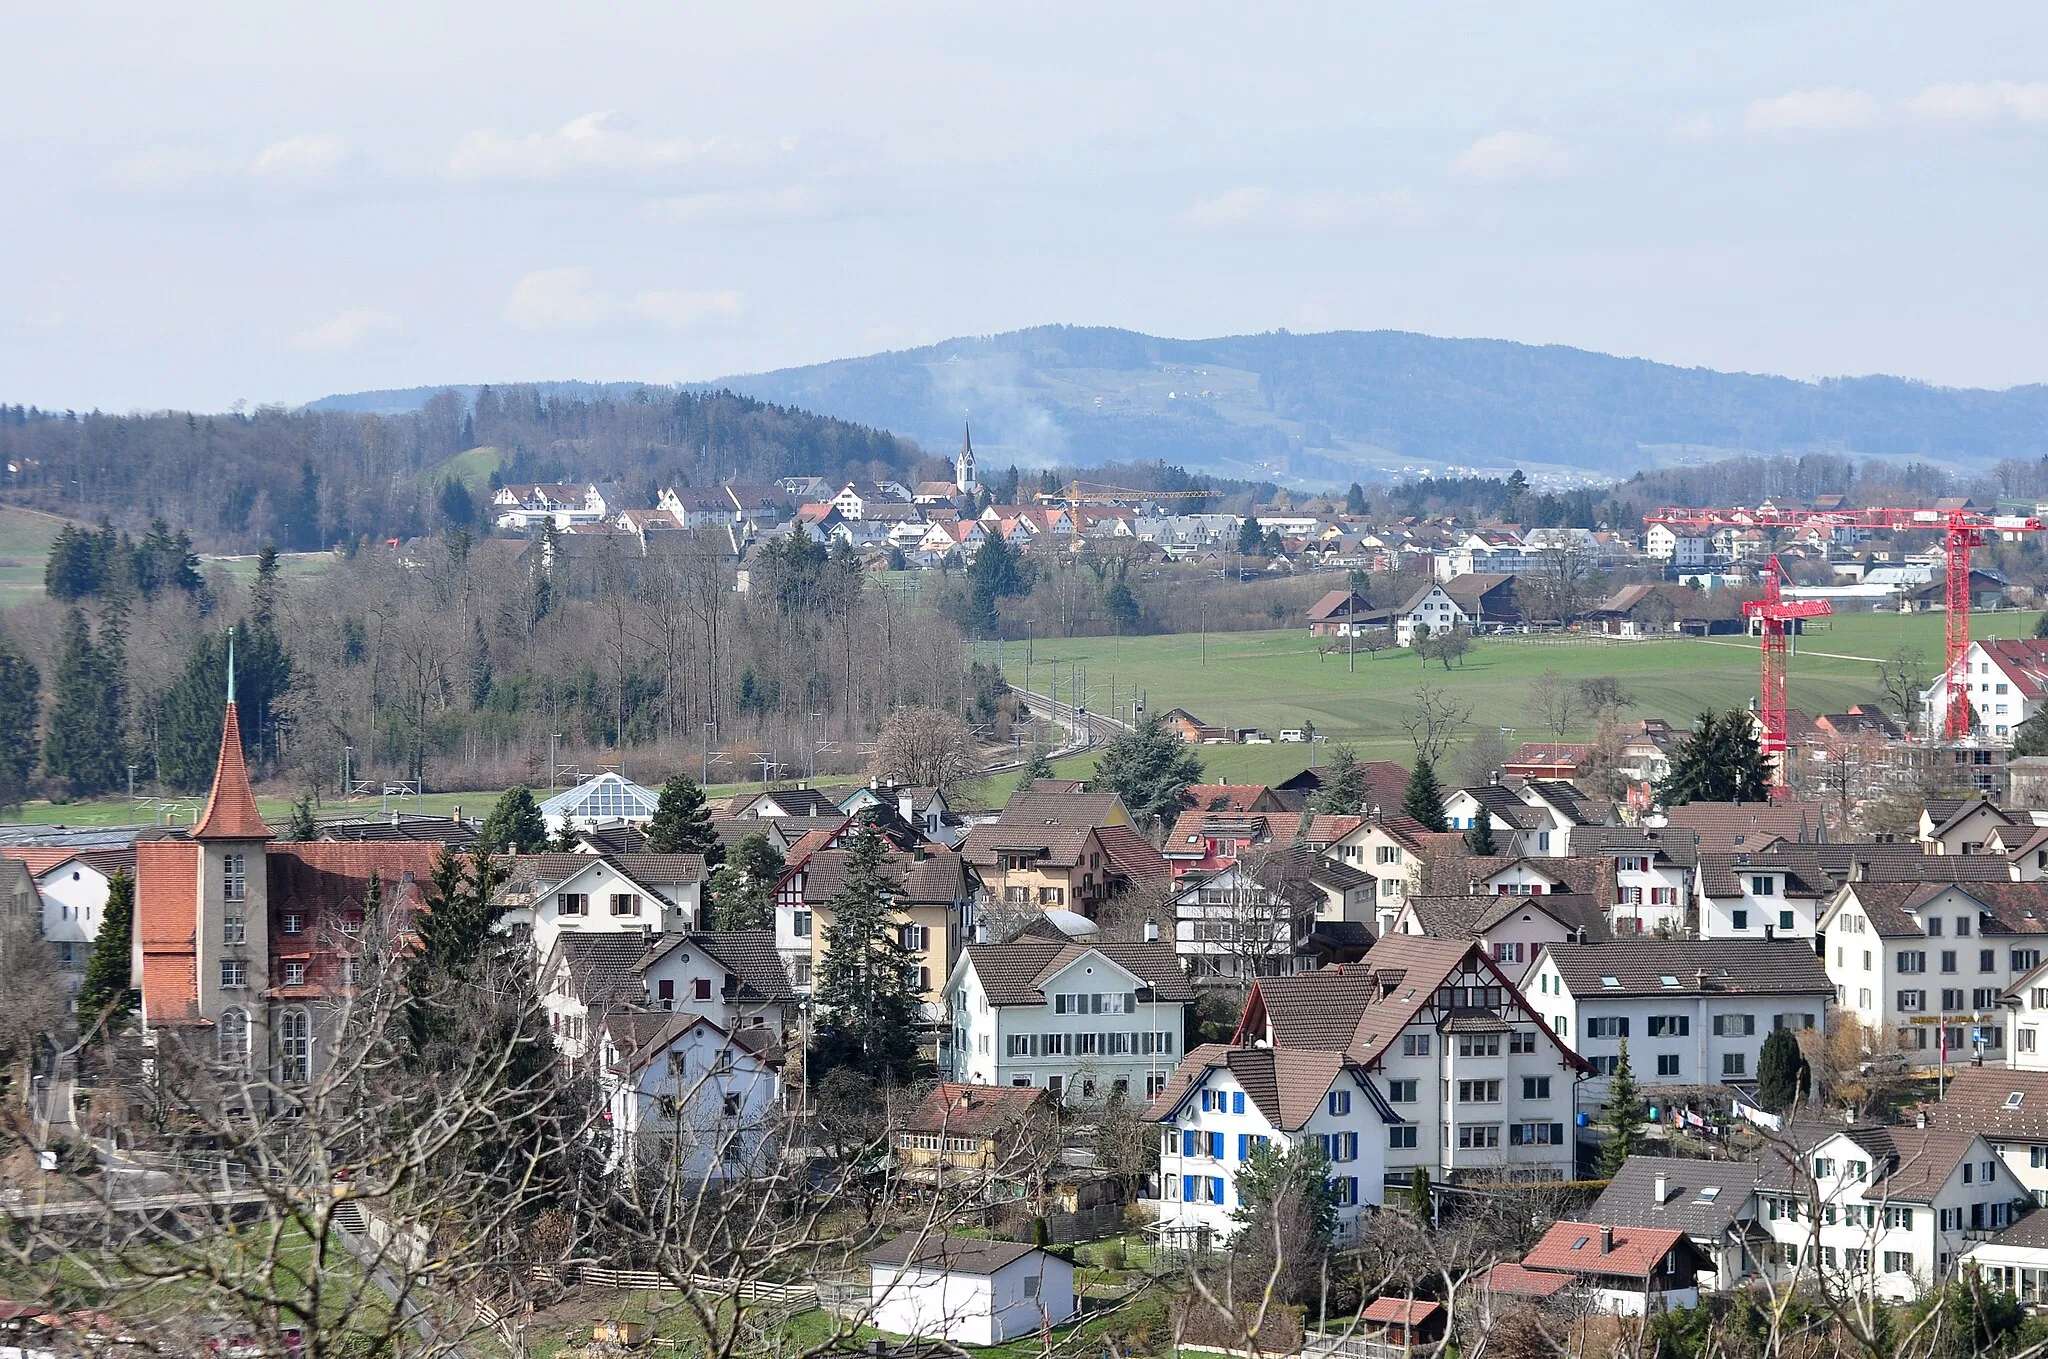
column 866, row 1000
column 1354, row 499
column 1622, row 1114
column 303, row 827
column 107, row 988
column 1720, row 760
column 1251, row 539
column 515, row 824
column 1150, row 768
column 682, row 822
column 1037, row 767
column 742, row 889
column 1479, row 836
column 20, row 689
column 1342, row 790
column 1424, row 799
column 189, row 717
column 2031, row 736
column 1781, row 1072
column 84, row 750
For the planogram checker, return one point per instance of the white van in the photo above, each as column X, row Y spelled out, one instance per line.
column 1293, row 737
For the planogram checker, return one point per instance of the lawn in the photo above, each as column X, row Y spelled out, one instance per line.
column 1276, row 680
column 25, row 538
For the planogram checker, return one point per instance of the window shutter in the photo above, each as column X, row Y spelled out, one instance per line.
column 1216, row 1188
column 1237, row 1102
column 1187, row 1143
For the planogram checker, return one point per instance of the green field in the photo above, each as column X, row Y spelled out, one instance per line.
column 25, row 538
column 472, row 467
column 1275, row 680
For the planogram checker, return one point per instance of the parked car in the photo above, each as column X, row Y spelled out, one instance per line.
column 1293, row 737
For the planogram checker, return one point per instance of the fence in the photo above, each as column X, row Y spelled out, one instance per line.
column 796, row 1297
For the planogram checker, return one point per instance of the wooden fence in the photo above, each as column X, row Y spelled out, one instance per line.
column 796, row 1297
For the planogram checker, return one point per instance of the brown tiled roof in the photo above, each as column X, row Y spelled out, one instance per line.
column 939, row 879
column 1980, row 1099
column 1235, row 797
column 1921, row 1159
column 1548, row 754
column 1325, row 830
column 231, row 807
column 748, row 955
column 643, row 1035
column 1057, row 846
column 1630, row 1199
column 1468, row 917
column 1721, row 874
column 601, row 967
column 39, row 858
column 1676, row 845
column 1287, row 1086
column 975, row 1110
column 1578, row 1248
column 1453, row 874
column 1731, row 827
column 2008, row 907
column 1132, row 855
column 1011, row 973
column 1749, row 967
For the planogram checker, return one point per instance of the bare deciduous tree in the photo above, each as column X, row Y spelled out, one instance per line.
column 929, row 747
column 1434, row 721
column 1553, row 702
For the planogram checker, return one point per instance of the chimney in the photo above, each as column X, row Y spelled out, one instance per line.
column 1663, row 1187
column 458, row 812
column 1607, row 1240
column 1920, row 1119
column 981, row 932
column 1151, row 931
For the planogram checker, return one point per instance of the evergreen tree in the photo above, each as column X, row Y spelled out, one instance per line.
column 1150, row 768
column 263, row 594
column 2041, row 624
column 1342, row 790
column 302, row 828
column 866, row 998
column 515, row 824
column 682, row 822
column 1036, row 767
column 454, row 934
column 1720, row 760
column 742, row 889
column 1479, row 836
column 1251, row 539
column 480, row 680
column 2031, row 736
column 1354, row 500
column 1622, row 1114
column 189, row 717
column 455, row 503
column 1781, row 1072
column 20, row 690
column 107, row 988
column 1424, row 799
column 85, row 751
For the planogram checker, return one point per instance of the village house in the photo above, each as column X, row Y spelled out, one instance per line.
column 1692, row 1012
column 548, row 895
column 73, row 890
column 1622, row 1271
column 1760, row 896
column 1067, row 851
column 1512, row 928
column 735, row 978
column 999, row 1134
column 1713, row 1202
column 967, row 1291
column 687, row 1099
column 1256, row 915
column 2010, row 1109
column 1653, row 870
column 932, row 896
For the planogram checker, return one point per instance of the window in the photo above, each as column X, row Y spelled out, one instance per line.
column 1338, row 1147
column 351, row 972
column 1962, row 927
column 625, row 903
column 234, row 974
column 1478, row 1136
column 700, row 988
column 1898, row 1262
column 234, row 1036
column 1948, row 960
column 803, row 972
column 1987, row 959
column 1912, row 960
column 1052, row 896
column 1536, row 1134
column 1030, row 1286
column 1612, row 1026
column 1786, row 920
column 1401, row 1092
column 1910, row 1001
column 1401, row 1137
column 1479, row 1045
column 1983, row 997
column 1604, row 1066
column 1388, row 854
column 1763, row 885
column 1340, row 1101
column 1951, row 999
column 1934, row 927
column 2025, row 959
column 1415, row 1045
column 295, row 1045
column 351, row 924
column 572, row 903
column 293, row 923
column 800, row 924
column 1237, row 1102
column 665, row 991
column 234, row 877
column 234, row 930
column 1738, row 920
column 1522, row 1041
column 1734, row 1026
column 1667, row 1064
column 1478, row 1092
column 294, row 974
column 1669, row 1026
column 1734, row 1064
column 1535, row 1087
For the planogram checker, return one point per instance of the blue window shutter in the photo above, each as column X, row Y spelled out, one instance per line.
column 1354, row 1190
column 1244, row 1145
column 1216, row 1145
column 1333, row 1101
column 1187, row 1188
column 1351, row 1148
column 1187, row 1143
column 1216, row 1188
column 1237, row 1102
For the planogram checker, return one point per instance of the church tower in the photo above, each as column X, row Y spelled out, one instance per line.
column 963, row 466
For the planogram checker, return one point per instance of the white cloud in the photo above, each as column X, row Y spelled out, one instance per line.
column 1823, row 110
column 795, row 203
column 1982, row 101
column 680, row 311
column 581, row 144
column 309, row 153
column 1319, row 210
column 564, row 300
column 348, row 330
column 1514, row 155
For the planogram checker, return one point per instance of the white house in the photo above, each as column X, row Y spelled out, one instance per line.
column 643, row 894
column 1225, row 1103
column 2010, row 1109
column 1251, row 917
column 1653, row 876
column 1083, row 1020
column 2026, row 1016
column 1760, row 896
column 1929, row 961
column 688, row 1099
column 1534, row 819
column 734, row 978
column 965, row 1290
column 1970, row 825
column 1477, row 1086
column 599, row 800
column 1426, row 613
column 1693, row 1012
column 74, row 893
column 1683, row 550
column 2006, row 680
column 1512, row 928
column 1387, row 847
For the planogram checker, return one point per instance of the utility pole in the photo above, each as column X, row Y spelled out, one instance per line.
column 704, row 761
column 553, row 737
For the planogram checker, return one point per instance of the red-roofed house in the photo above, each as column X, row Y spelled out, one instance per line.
column 1546, row 760
column 1627, row 1271
column 2008, row 681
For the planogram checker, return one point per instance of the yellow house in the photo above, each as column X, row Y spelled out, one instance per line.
column 1061, row 850
column 933, row 895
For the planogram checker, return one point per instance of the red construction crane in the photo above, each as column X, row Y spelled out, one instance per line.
column 1774, row 611
column 1961, row 530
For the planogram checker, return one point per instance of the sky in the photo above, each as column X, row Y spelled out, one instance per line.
column 269, row 203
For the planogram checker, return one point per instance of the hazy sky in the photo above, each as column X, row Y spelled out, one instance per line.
column 257, row 201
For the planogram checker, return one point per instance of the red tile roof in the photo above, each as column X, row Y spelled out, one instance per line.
column 39, row 859
column 166, row 920
column 1508, row 1279
column 1132, row 854
column 2025, row 660
column 1400, row 1311
column 976, row 1110
column 231, row 808
column 1578, row 1248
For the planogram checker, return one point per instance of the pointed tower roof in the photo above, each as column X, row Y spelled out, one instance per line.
column 966, row 438
column 231, row 808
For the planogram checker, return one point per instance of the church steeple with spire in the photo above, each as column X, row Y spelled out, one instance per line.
column 231, row 808
column 963, row 465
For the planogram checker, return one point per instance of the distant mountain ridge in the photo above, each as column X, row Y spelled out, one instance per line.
column 1337, row 406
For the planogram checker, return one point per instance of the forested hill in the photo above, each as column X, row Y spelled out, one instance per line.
column 306, row 479
column 1331, row 408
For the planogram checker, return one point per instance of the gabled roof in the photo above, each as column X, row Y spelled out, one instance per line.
column 1233, row 797
column 1470, row 591
column 2006, row 907
column 1721, row 874
column 2003, row 1104
column 1701, row 1198
column 1678, row 847
column 1511, row 1280
column 600, row 965
column 231, row 807
column 1132, row 855
column 1287, row 1086
column 977, row 1110
column 641, row 1036
column 1920, row 1160
column 1503, row 808
column 951, row 1254
column 749, row 956
column 2024, row 660
column 1013, row 973
column 1471, row 916
column 1548, row 755
column 1569, row 802
column 1640, row 967
column 938, row 879
column 1729, row 827
column 1455, row 872
column 1579, row 1248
